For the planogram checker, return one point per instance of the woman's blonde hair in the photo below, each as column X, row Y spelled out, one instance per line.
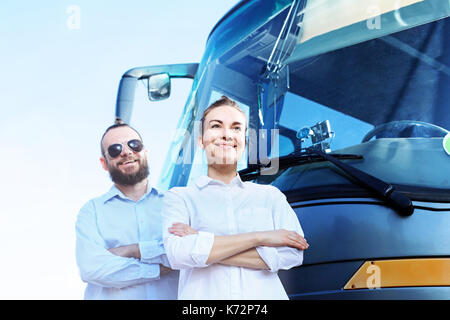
column 223, row 101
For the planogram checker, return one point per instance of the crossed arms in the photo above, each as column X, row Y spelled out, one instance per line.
column 115, row 267
column 240, row 249
column 271, row 250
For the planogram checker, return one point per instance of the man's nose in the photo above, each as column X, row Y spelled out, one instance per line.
column 126, row 151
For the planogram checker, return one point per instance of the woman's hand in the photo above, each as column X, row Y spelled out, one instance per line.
column 181, row 229
column 281, row 238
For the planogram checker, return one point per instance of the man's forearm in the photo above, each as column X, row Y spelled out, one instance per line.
column 132, row 251
column 247, row 259
column 127, row 251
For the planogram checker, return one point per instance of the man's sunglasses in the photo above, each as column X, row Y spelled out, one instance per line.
column 115, row 150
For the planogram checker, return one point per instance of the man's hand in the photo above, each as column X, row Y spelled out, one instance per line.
column 281, row 238
column 181, row 229
column 128, row 251
column 163, row 270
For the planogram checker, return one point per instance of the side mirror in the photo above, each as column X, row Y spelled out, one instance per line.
column 159, row 86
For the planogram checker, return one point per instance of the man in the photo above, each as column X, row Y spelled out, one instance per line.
column 119, row 248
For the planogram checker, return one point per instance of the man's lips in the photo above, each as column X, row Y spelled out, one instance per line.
column 127, row 162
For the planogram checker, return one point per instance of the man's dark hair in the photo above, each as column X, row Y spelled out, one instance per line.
column 114, row 126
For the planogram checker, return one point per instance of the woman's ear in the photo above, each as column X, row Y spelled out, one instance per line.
column 200, row 142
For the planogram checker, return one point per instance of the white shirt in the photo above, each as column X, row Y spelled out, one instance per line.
column 114, row 220
column 214, row 208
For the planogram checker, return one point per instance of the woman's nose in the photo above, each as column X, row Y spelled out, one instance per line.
column 227, row 133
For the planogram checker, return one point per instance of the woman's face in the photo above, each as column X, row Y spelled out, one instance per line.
column 223, row 136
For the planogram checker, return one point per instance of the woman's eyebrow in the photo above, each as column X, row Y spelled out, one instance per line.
column 235, row 123
column 220, row 121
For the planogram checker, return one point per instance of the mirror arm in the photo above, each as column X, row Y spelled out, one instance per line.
column 127, row 85
column 125, row 99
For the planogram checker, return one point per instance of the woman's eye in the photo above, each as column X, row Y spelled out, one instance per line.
column 215, row 126
column 237, row 128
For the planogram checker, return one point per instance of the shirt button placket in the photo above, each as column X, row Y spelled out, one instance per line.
column 232, row 228
column 138, row 220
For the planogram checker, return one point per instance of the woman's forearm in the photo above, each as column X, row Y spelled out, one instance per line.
column 227, row 246
column 247, row 259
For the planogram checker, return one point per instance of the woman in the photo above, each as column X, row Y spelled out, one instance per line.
column 229, row 238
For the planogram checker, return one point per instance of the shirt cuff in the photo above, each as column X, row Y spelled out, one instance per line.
column 151, row 250
column 164, row 261
column 270, row 257
column 150, row 271
column 202, row 248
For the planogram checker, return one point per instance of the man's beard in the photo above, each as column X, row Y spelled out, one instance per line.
column 129, row 179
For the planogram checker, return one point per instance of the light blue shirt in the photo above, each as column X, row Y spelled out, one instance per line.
column 114, row 220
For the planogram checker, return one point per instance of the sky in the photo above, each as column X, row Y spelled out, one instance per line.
column 61, row 65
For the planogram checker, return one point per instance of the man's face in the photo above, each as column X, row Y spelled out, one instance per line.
column 130, row 167
column 224, row 135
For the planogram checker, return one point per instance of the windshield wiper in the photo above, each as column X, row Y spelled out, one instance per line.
column 293, row 159
column 401, row 203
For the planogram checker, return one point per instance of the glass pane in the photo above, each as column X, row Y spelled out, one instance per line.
column 332, row 24
column 299, row 112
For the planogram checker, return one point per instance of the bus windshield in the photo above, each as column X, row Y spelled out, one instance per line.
column 400, row 82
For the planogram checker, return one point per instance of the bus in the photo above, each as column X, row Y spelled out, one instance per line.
column 348, row 115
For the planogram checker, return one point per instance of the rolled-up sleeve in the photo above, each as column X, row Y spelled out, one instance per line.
column 282, row 258
column 186, row 252
column 99, row 266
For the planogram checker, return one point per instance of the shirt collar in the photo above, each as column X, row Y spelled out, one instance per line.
column 115, row 192
column 203, row 181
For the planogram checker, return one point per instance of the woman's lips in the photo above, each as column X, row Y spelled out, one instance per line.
column 225, row 146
